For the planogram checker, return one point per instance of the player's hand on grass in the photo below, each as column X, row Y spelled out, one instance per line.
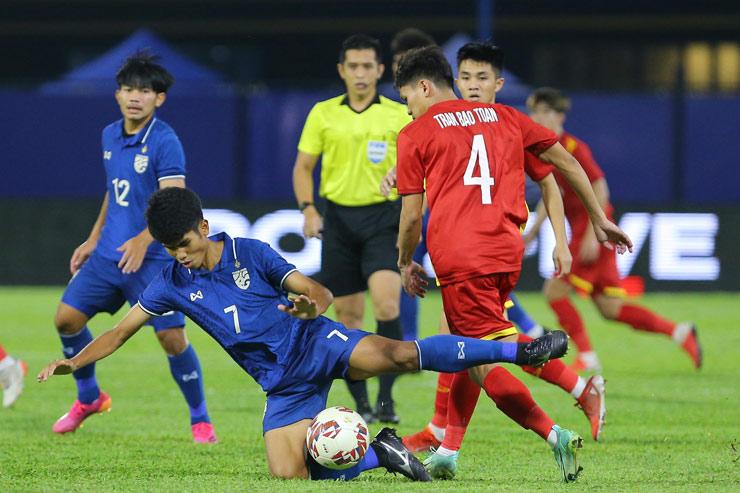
column 608, row 232
column 388, row 183
column 57, row 367
column 589, row 250
column 81, row 254
column 134, row 251
column 313, row 225
column 562, row 259
column 413, row 283
column 303, row 307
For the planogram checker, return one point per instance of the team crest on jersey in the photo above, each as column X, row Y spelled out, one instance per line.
column 377, row 150
column 140, row 163
column 241, row 278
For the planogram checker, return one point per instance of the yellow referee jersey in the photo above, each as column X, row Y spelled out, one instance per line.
column 357, row 149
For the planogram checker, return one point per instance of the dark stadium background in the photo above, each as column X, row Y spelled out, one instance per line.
column 655, row 89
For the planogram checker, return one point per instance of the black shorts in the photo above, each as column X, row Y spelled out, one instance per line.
column 358, row 241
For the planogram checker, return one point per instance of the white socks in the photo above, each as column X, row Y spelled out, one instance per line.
column 439, row 433
column 579, row 388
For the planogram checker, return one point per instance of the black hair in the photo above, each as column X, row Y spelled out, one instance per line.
column 172, row 213
column 361, row 42
column 410, row 38
column 141, row 72
column 483, row 52
column 428, row 62
column 553, row 98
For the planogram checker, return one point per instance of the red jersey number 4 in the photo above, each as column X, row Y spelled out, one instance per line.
column 479, row 156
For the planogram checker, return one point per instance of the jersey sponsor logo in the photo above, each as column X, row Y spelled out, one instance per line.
column 241, row 278
column 107, row 155
column 190, row 376
column 140, row 163
column 461, row 350
column 196, row 296
column 377, row 150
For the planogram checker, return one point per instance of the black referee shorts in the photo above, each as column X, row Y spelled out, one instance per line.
column 358, row 241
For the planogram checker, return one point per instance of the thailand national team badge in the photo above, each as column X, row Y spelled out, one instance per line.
column 140, row 163
column 377, row 150
column 241, row 278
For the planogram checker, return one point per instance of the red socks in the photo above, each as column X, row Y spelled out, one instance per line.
column 571, row 321
column 464, row 395
column 643, row 319
column 513, row 398
column 444, row 382
column 3, row 354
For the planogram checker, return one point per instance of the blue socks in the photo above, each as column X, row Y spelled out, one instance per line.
column 87, row 385
column 185, row 369
column 409, row 316
column 317, row 472
column 521, row 318
column 451, row 354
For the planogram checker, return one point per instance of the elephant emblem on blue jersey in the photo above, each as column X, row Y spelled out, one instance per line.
column 241, row 278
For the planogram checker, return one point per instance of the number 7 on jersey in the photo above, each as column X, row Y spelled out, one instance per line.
column 479, row 155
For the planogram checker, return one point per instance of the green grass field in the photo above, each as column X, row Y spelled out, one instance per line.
column 670, row 428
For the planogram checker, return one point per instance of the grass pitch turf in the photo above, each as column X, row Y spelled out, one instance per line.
column 670, row 428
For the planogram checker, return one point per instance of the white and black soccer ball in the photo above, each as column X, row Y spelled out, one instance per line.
column 337, row 438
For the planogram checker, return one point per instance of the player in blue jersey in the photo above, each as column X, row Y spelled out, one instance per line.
column 141, row 154
column 237, row 291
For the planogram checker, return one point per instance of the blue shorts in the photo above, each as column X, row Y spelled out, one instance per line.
column 100, row 286
column 306, row 382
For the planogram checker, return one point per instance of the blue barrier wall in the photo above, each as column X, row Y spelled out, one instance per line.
column 243, row 147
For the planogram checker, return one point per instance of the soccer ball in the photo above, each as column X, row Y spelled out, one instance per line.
column 337, row 438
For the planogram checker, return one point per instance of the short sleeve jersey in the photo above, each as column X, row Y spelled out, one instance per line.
column 470, row 159
column 575, row 211
column 134, row 166
column 357, row 149
column 236, row 304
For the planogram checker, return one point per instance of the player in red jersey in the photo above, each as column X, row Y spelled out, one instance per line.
column 480, row 66
column 469, row 159
column 594, row 267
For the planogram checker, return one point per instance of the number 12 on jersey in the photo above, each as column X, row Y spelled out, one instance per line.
column 479, row 155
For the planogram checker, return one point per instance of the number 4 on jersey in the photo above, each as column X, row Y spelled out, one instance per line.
column 479, row 155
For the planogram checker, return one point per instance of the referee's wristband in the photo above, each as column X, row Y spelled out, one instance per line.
column 303, row 205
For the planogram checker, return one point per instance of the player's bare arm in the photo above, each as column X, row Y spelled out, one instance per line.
column 313, row 299
column 134, row 249
column 409, row 232
column 83, row 252
column 606, row 231
column 540, row 213
column 303, row 189
column 388, row 183
column 102, row 346
column 553, row 202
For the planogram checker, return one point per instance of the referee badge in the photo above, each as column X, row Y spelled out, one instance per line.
column 377, row 150
column 140, row 163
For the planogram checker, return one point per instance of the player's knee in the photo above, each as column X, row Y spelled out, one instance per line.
column 404, row 356
column 65, row 325
column 387, row 309
column 173, row 341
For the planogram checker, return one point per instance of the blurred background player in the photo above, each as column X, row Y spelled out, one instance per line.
column 12, row 371
column 355, row 134
column 141, row 154
column 405, row 40
column 480, row 65
column 594, row 266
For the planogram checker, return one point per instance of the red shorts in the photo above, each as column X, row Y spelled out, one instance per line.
column 475, row 307
column 600, row 277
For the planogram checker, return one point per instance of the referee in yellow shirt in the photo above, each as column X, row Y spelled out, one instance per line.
column 356, row 134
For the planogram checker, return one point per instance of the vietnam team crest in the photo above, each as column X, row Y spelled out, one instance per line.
column 241, row 278
column 141, row 162
column 377, row 150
